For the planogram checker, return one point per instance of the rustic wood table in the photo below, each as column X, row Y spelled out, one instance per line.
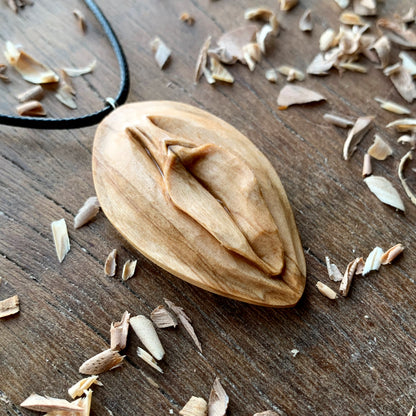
column 355, row 354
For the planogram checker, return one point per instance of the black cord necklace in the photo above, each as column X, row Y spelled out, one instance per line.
column 92, row 118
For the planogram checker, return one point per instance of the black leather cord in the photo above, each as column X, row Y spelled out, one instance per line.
column 89, row 119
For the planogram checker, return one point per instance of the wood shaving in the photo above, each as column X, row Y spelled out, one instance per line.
column 208, row 76
column 391, row 254
column 373, row 261
column 348, row 276
column 196, row 406
column 29, row 68
column 404, row 84
column 408, row 63
column 392, row 107
column 305, row 22
column 34, row 93
column 258, row 13
column 333, row 271
column 60, row 238
column 80, row 17
column 218, row 400
column 380, row 149
column 408, row 139
column 263, row 35
column 339, row 121
column 286, row 5
column 110, row 264
column 161, row 52
column 382, row 48
column 187, row 18
column 410, row 411
column 218, row 72
column 328, row 39
column 343, row 3
column 252, row 54
column 147, row 334
column 321, row 64
column 31, row 108
column 326, row 290
column 409, row 17
column 119, row 332
column 129, row 268
column 185, row 321
column 46, row 404
column 384, row 191
column 352, row 66
column 271, row 75
column 398, row 32
column 145, row 356
column 348, row 18
column 16, row 4
column 78, row 389
column 291, row 73
column 403, row 124
column 66, row 92
column 408, row 156
column 77, row 72
column 102, row 362
column 367, row 167
column 87, row 212
column 201, row 61
column 356, row 134
column 9, row 306
column 162, row 318
column 293, row 94
column 365, row 7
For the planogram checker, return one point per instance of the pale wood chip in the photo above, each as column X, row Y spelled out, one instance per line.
column 410, row 411
column 293, row 94
column 384, row 191
column 60, row 238
column 333, row 271
column 380, row 149
column 201, row 61
column 348, row 276
column 408, row 63
column 382, row 48
column 373, row 261
column 365, row 7
column 286, row 5
column 326, row 290
column 12, row 4
column 218, row 400
column 66, row 92
column 187, row 18
column 252, row 54
column 404, row 83
column 218, row 72
column 80, row 17
column 339, row 121
column 349, row 18
column 398, row 32
column 263, row 35
column 46, row 404
column 208, row 76
column 353, row 67
column 34, row 93
column 186, row 322
column 391, row 254
column 147, row 334
column 271, row 75
column 367, row 166
column 292, row 74
column 196, row 406
column 129, row 269
column 9, row 306
column 102, row 362
column 79, row 388
column 409, row 16
column 119, row 332
column 162, row 318
column 161, row 52
column 110, row 264
column 328, row 39
column 392, row 107
column 32, row 108
column 403, row 124
column 77, row 72
column 356, row 134
column 260, row 13
column 145, row 356
column 408, row 139
column 407, row 157
column 87, row 212
column 305, row 22
column 321, row 63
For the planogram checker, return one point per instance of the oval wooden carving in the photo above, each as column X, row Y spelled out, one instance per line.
column 196, row 197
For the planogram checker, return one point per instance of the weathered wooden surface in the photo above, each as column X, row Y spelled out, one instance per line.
column 356, row 355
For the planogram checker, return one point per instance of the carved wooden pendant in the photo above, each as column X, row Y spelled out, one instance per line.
column 196, row 197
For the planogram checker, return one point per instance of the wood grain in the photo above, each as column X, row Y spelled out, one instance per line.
column 355, row 354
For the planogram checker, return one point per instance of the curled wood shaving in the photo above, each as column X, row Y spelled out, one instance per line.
column 408, row 156
column 328, row 39
column 145, row 356
column 77, row 72
column 391, row 254
column 78, row 389
column 34, row 93
column 129, row 269
column 201, row 61
column 382, row 48
column 263, row 35
column 46, row 404
column 384, row 191
column 380, row 149
column 286, row 5
column 293, row 94
column 161, row 52
column 367, row 168
column 9, row 306
column 403, row 82
column 348, row 276
column 29, row 68
column 31, row 108
column 66, row 92
column 326, row 290
column 339, row 121
column 333, row 271
column 260, row 13
column 147, row 334
column 110, row 264
column 60, row 238
column 291, row 73
column 218, row 400
column 252, row 54
column 408, row 63
column 102, row 362
column 392, row 107
column 404, row 124
column 365, row 7
column 321, row 64
column 305, row 22
column 208, row 76
column 373, row 261
column 349, row 18
column 119, row 332
column 356, row 134
column 408, row 139
column 398, row 32
column 196, row 406
column 187, row 18
column 162, row 318
column 80, row 17
column 271, row 75
column 186, row 322
column 218, row 72
column 87, row 212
